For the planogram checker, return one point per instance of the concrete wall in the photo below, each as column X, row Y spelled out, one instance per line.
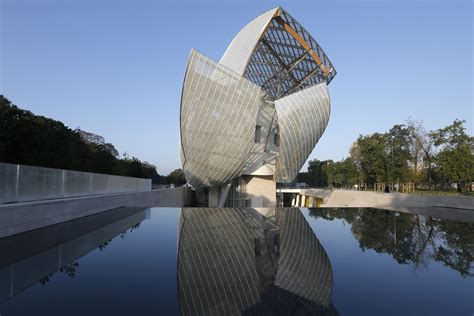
column 262, row 191
column 20, row 217
column 347, row 198
column 213, row 196
column 447, row 207
column 20, row 183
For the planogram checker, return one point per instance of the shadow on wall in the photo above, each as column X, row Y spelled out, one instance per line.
column 261, row 201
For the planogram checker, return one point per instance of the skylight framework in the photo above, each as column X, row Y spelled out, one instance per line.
column 287, row 59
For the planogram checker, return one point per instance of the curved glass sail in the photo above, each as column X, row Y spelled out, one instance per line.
column 218, row 114
column 302, row 118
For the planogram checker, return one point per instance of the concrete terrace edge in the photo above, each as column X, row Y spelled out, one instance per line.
column 348, row 198
column 459, row 208
column 21, row 217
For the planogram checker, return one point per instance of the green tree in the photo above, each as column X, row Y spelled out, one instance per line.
column 455, row 158
column 317, row 173
column 398, row 140
column 176, row 177
column 347, row 172
column 35, row 140
column 371, row 155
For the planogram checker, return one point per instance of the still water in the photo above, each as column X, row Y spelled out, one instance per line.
column 170, row 261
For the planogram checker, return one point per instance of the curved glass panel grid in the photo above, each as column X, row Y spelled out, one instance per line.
column 218, row 115
column 275, row 52
column 302, row 119
column 238, row 53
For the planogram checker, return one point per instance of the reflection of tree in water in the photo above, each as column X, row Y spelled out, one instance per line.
column 457, row 249
column 104, row 244
column 410, row 239
column 70, row 269
column 123, row 235
column 46, row 279
column 136, row 226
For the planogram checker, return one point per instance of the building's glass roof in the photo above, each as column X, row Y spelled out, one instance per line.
column 287, row 58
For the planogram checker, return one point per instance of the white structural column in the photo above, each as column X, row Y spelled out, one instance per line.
column 218, row 114
column 302, row 118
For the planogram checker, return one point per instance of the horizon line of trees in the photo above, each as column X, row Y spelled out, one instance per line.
column 434, row 160
column 29, row 139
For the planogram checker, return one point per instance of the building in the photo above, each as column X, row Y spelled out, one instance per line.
column 253, row 119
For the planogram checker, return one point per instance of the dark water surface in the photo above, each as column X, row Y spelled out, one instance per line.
column 167, row 261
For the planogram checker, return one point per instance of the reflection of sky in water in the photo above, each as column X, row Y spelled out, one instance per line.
column 136, row 273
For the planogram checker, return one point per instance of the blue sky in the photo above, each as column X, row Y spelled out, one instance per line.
column 115, row 68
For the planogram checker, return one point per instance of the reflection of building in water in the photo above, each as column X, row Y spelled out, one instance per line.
column 248, row 261
column 33, row 256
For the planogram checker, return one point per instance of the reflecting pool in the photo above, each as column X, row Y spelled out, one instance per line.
column 203, row 261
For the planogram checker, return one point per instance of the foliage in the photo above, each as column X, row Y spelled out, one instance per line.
column 176, row 177
column 398, row 152
column 455, row 159
column 35, row 140
column 405, row 153
column 373, row 160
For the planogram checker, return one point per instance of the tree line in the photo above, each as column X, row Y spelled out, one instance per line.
column 29, row 139
column 433, row 160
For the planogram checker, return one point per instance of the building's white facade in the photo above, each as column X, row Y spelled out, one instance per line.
column 253, row 119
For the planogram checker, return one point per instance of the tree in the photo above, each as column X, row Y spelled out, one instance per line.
column 97, row 140
column 398, row 153
column 421, row 151
column 455, row 158
column 329, row 171
column 317, row 173
column 348, row 172
column 35, row 140
column 176, row 177
column 372, row 158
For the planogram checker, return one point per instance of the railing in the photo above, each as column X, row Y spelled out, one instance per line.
column 20, row 183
